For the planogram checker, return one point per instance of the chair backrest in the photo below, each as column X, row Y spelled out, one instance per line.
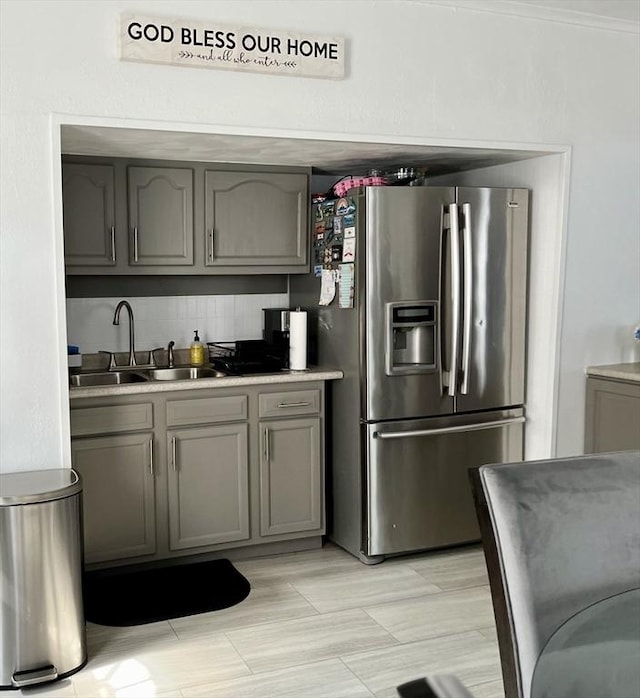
column 558, row 535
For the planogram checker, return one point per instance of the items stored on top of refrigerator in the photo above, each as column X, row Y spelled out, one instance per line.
column 342, row 186
column 428, row 325
column 398, row 176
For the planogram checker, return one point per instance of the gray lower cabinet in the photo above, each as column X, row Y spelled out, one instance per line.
column 118, row 495
column 612, row 420
column 291, row 461
column 174, row 473
column 208, row 486
column 290, row 476
column 89, row 209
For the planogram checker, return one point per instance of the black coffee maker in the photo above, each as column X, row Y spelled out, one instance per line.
column 276, row 332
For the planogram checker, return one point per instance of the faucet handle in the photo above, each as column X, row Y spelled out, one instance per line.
column 152, row 356
column 112, row 358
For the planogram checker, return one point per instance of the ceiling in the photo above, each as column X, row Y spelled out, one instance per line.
column 337, row 156
column 623, row 15
column 325, row 156
column 625, row 10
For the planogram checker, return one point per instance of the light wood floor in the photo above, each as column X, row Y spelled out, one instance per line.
column 316, row 624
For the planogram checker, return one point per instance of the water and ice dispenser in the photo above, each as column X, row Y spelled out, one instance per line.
column 411, row 339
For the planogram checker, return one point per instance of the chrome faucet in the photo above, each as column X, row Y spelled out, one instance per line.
column 170, row 353
column 116, row 321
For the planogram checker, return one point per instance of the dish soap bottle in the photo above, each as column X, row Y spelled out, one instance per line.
column 196, row 350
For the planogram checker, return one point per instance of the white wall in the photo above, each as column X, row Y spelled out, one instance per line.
column 159, row 319
column 415, row 71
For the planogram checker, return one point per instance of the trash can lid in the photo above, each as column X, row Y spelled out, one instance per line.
column 35, row 486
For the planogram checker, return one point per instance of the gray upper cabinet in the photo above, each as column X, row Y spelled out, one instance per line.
column 89, row 207
column 255, row 219
column 152, row 217
column 160, row 216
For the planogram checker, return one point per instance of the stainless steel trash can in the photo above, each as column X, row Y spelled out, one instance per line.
column 42, row 629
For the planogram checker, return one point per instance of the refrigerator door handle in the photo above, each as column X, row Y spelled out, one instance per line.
column 454, row 229
column 448, row 430
column 468, row 298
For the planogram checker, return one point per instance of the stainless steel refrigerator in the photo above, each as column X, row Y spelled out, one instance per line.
column 433, row 354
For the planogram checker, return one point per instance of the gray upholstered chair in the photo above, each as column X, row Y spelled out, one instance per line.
column 558, row 535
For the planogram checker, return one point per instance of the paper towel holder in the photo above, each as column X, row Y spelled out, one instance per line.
column 298, row 340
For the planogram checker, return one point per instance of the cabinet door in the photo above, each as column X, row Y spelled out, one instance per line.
column 208, row 486
column 88, row 201
column 612, row 416
column 255, row 219
column 160, row 216
column 291, row 486
column 118, row 492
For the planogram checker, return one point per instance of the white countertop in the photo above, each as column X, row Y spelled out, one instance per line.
column 314, row 374
column 621, row 372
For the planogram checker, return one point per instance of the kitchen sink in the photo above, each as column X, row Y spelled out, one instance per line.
column 84, row 380
column 142, row 375
column 183, row 373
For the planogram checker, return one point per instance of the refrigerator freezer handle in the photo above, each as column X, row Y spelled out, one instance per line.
column 468, row 298
column 448, row 430
column 455, row 296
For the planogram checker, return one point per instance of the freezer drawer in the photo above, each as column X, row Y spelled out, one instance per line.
column 418, row 494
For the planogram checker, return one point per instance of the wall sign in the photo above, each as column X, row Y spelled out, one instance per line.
column 229, row 47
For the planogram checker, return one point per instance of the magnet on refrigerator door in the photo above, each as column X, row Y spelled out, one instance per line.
column 349, row 250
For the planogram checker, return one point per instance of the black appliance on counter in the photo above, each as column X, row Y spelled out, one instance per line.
column 276, row 330
column 276, row 326
column 248, row 356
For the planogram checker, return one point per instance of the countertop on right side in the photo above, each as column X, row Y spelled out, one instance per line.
column 620, row 372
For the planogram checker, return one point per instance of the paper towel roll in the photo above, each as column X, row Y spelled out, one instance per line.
column 298, row 340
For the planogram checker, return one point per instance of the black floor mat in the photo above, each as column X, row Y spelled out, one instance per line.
column 114, row 597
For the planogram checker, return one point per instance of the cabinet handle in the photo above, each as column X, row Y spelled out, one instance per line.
column 113, row 243
column 174, row 454
column 455, row 296
column 468, row 297
column 448, row 430
column 135, row 243
column 267, row 455
column 211, row 245
column 293, row 404
column 151, row 457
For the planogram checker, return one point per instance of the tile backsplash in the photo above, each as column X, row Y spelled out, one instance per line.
column 160, row 319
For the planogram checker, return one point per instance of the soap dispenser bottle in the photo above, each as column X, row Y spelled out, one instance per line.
column 196, row 350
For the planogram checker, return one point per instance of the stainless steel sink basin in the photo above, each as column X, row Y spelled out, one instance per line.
column 183, row 373
column 84, row 380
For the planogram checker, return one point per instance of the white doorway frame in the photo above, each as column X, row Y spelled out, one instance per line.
column 548, row 179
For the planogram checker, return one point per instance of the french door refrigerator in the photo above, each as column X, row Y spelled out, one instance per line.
column 432, row 346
